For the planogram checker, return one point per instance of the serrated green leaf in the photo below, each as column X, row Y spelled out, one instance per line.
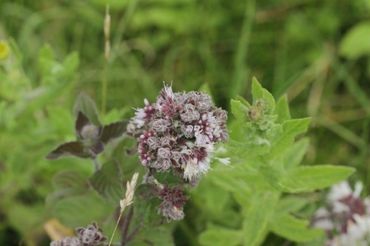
column 87, row 106
column 242, row 100
column 291, row 129
column 107, row 181
column 257, row 216
column 305, row 179
column 155, row 235
column 294, row 229
column 66, row 184
column 290, row 204
column 295, row 153
column 258, row 92
column 216, row 235
column 356, row 42
column 282, row 109
column 83, row 209
column 69, row 179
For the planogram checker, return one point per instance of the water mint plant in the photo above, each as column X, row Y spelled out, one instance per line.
column 176, row 138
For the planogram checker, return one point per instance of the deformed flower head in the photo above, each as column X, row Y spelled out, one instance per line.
column 178, row 132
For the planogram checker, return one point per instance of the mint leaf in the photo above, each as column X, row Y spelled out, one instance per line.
column 294, row 229
column 304, row 179
column 282, row 109
column 257, row 216
column 216, row 235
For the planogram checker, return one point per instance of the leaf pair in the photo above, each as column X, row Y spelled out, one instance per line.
column 90, row 135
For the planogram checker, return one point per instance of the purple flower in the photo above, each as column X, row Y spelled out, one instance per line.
column 178, row 132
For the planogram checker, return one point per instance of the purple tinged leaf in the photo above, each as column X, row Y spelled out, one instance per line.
column 81, row 121
column 113, row 130
column 70, row 148
column 87, row 106
column 96, row 149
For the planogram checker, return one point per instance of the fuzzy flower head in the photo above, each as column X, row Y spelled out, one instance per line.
column 346, row 218
column 177, row 133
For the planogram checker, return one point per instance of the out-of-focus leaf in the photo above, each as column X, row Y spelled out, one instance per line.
column 356, row 42
column 305, row 179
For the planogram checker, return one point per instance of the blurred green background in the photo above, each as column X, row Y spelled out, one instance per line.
column 315, row 51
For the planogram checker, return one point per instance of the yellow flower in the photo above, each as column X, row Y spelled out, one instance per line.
column 4, row 50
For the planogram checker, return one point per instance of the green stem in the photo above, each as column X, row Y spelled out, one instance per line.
column 240, row 69
column 96, row 164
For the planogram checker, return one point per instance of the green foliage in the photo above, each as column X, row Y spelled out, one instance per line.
column 315, row 51
column 259, row 178
column 356, row 42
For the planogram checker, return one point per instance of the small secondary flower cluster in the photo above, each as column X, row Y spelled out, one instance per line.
column 346, row 218
column 92, row 235
column 173, row 201
column 177, row 134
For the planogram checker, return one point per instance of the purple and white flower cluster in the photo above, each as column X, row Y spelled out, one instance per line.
column 177, row 133
column 346, row 218
column 92, row 235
